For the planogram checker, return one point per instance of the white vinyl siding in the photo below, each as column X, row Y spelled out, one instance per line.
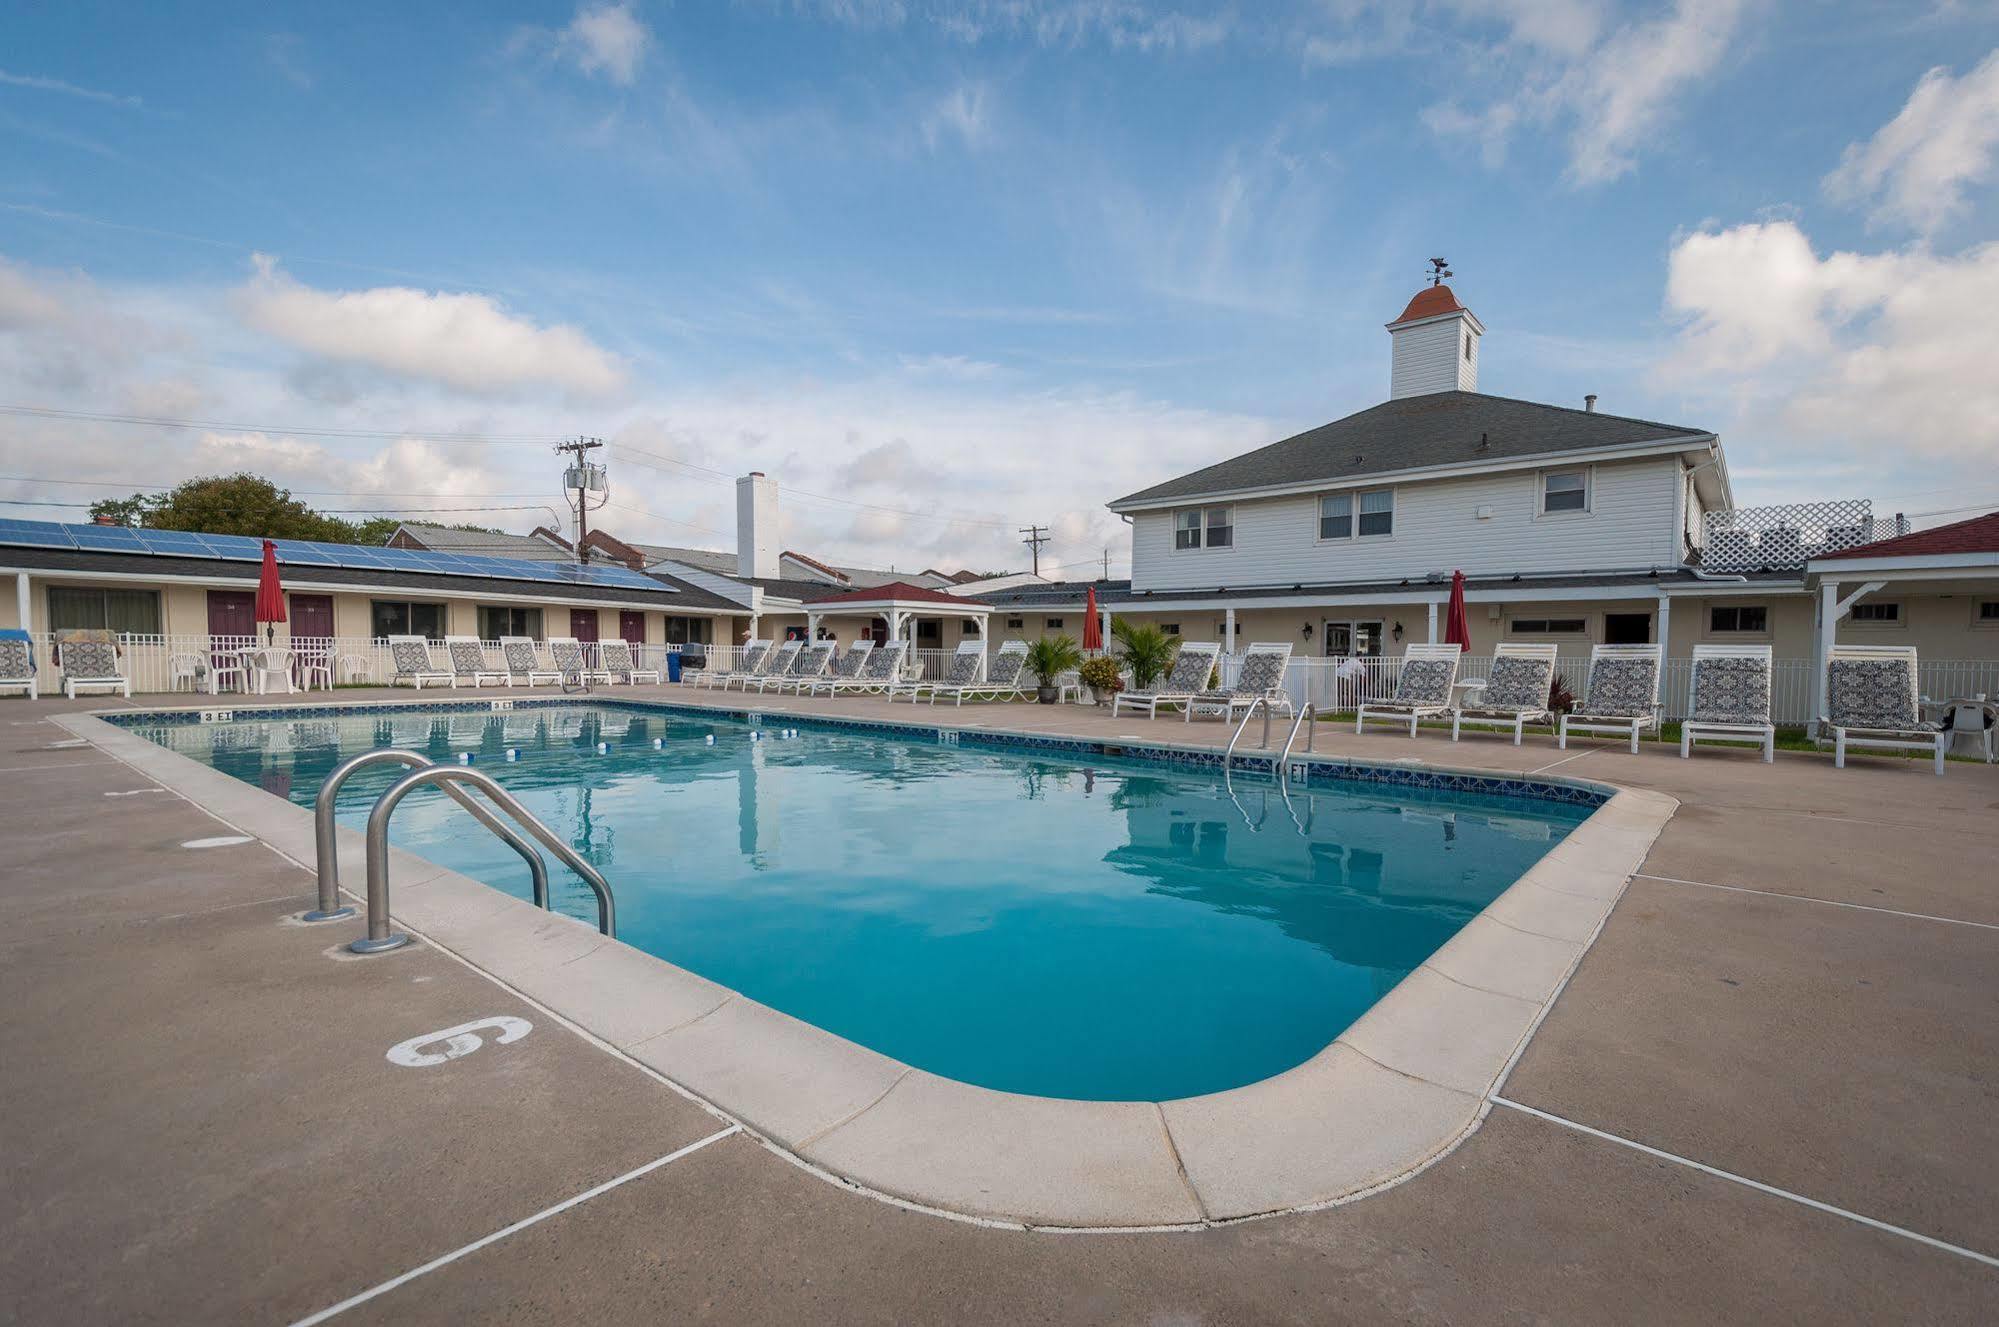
column 1431, row 358
column 1436, row 529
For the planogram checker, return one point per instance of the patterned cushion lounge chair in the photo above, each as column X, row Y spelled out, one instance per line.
column 752, row 659
column 523, row 666
column 1516, row 692
column 567, row 652
column 968, row 665
column 807, row 666
column 1731, row 700
column 878, row 672
column 1187, row 679
column 777, row 661
column 89, row 661
column 1622, row 698
column 469, row 666
column 846, row 668
column 17, row 663
column 1261, row 677
column 1002, row 681
column 410, row 665
column 616, row 656
column 1423, row 690
column 1871, row 703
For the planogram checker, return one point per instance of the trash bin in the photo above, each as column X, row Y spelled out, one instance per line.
column 673, row 665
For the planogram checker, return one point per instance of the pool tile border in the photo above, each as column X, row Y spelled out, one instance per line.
column 1395, row 1092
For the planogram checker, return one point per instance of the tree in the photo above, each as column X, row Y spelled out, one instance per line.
column 1148, row 651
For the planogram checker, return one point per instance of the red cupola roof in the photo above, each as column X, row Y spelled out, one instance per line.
column 1429, row 302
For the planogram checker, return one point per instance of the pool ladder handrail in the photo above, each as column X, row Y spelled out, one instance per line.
column 1308, row 710
column 1260, row 703
column 326, row 847
column 1308, row 714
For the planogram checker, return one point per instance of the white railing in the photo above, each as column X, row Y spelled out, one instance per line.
column 1785, row 538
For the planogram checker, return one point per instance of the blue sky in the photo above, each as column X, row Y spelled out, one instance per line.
column 944, row 269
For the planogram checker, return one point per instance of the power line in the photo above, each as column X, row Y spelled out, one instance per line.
column 1035, row 539
column 296, row 492
column 160, row 421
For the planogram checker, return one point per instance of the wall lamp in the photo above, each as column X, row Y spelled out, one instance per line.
column 1398, row 631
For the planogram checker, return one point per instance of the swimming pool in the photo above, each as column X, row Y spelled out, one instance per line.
column 1040, row 921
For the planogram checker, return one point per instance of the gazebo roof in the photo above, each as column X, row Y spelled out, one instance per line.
column 898, row 595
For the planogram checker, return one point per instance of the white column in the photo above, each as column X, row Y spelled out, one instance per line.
column 811, row 627
column 1105, row 614
column 753, row 626
column 1433, row 622
column 1822, row 647
column 1665, row 627
column 1228, row 630
column 22, row 600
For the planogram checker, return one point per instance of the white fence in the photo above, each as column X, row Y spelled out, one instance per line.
column 1331, row 684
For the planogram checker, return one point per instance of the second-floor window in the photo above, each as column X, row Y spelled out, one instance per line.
column 1376, row 514
column 1204, row 527
column 1564, row 490
column 1886, row 614
column 1744, row 617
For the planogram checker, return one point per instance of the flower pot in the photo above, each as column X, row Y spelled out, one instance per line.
column 1046, row 695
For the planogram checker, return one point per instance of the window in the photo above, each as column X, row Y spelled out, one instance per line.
column 690, row 631
column 1170, row 628
column 1988, row 613
column 1015, row 623
column 1549, row 626
column 970, row 627
column 1377, row 512
column 1467, row 346
column 495, row 622
column 1054, row 624
column 133, row 611
column 1336, row 516
column 1564, row 490
column 396, row 618
column 1204, row 527
column 1879, row 614
column 1748, row 617
column 929, row 629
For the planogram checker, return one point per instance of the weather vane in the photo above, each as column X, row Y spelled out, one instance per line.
column 1438, row 271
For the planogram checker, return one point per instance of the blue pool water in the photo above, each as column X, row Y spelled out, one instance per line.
column 1070, row 927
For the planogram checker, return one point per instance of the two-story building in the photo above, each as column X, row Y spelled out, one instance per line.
column 1571, row 525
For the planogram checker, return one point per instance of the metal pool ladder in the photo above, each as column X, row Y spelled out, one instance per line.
column 380, row 938
column 1306, row 712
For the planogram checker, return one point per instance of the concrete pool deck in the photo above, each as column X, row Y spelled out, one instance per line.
column 1842, row 1054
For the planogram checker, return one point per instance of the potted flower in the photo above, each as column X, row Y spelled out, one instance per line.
column 1049, row 658
column 1101, row 676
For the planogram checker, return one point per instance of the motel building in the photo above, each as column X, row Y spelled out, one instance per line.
column 1571, row 525
column 180, row 602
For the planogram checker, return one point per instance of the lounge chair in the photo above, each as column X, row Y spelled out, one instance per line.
column 524, row 666
column 1261, row 677
column 1186, row 679
column 1516, row 692
column 17, row 663
column 1871, row 703
column 968, row 665
column 409, row 663
column 846, row 668
column 1422, row 690
column 616, row 656
column 1622, row 697
column 1002, row 680
column 753, row 657
column 777, row 661
column 877, row 674
column 811, row 663
column 1731, row 699
column 468, row 663
column 89, row 661
column 567, row 652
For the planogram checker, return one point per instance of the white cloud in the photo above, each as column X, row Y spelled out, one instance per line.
column 963, row 112
column 607, row 40
column 467, row 342
column 1916, row 168
column 38, row 83
column 1615, row 90
column 1849, row 350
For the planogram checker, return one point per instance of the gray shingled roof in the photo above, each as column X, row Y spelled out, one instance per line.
column 725, row 564
column 486, row 544
column 1440, row 428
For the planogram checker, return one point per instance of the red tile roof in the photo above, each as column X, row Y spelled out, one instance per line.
column 1980, row 534
column 900, row 591
column 1429, row 302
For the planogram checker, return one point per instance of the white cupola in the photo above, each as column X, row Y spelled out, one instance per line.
column 1435, row 345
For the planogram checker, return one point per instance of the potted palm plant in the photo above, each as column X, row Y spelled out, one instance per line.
column 1147, row 651
column 1049, row 658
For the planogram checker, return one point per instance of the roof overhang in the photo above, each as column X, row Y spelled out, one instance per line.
column 1928, row 566
column 1446, row 316
column 882, row 607
column 1691, row 442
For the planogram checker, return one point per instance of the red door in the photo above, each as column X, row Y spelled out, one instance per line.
column 583, row 624
column 232, row 613
column 312, row 616
column 632, row 626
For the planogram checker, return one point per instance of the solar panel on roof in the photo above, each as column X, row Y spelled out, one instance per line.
column 298, row 551
column 109, row 538
column 236, row 547
column 35, row 534
column 176, row 542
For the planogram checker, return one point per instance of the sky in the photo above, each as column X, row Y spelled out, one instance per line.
column 948, row 268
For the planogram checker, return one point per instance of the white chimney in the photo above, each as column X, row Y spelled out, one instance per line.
column 756, row 526
column 1435, row 346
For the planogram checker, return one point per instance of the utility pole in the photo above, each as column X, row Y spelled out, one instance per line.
column 584, row 478
column 1035, row 539
column 1107, row 564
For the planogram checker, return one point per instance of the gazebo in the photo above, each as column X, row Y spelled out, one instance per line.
column 897, row 603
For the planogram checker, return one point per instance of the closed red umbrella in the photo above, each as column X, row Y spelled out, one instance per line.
column 1456, row 631
column 1093, row 627
column 270, row 593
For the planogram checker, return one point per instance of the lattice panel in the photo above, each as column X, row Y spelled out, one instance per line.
column 1785, row 538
